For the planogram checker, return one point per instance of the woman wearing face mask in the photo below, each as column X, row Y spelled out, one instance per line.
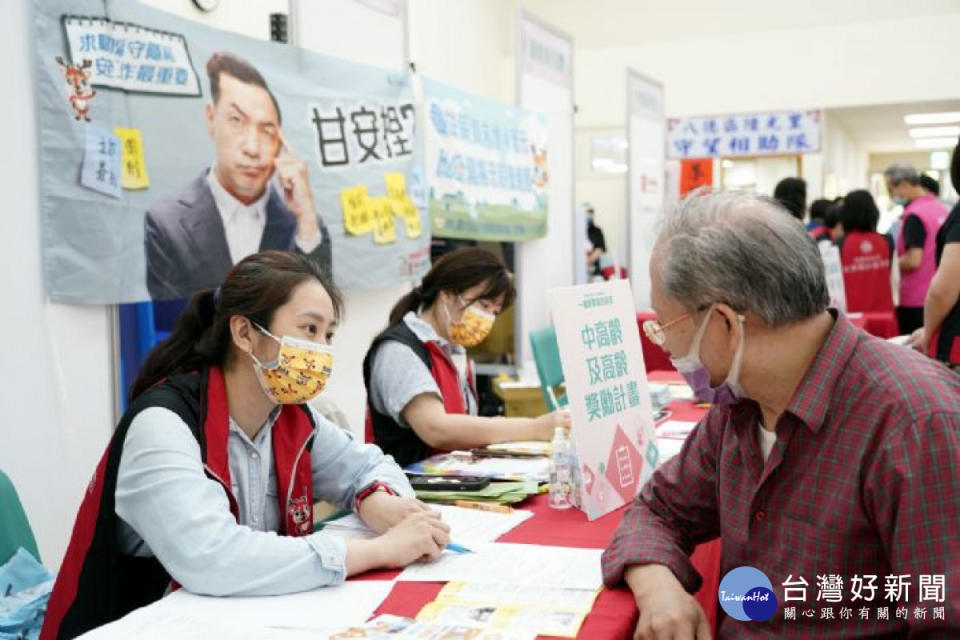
column 210, row 478
column 420, row 393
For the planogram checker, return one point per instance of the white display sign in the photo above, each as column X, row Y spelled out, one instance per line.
column 606, row 385
column 647, row 174
column 752, row 134
column 834, row 270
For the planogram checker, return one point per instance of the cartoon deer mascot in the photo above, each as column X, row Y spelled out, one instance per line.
column 78, row 78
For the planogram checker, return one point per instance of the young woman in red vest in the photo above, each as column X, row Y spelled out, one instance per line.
column 209, row 480
column 420, row 392
column 865, row 255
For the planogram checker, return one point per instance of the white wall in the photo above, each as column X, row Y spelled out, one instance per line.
column 466, row 43
column 843, row 65
column 844, row 160
column 56, row 390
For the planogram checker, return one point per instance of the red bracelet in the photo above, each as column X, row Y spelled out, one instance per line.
column 370, row 489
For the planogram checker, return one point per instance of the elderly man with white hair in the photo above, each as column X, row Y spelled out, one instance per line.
column 829, row 460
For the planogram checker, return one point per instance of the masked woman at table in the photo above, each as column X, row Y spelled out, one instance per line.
column 421, row 396
column 210, row 478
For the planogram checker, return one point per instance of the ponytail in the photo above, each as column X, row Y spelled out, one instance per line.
column 189, row 347
column 410, row 302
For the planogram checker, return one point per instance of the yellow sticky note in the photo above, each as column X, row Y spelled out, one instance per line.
column 396, row 186
column 384, row 223
column 357, row 212
column 133, row 165
column 411, row 220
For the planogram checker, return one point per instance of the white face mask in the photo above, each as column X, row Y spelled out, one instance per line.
column 698, row 376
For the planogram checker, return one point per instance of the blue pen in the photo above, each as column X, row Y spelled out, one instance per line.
column 458, row 548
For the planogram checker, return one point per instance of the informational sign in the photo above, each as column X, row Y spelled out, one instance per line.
column 606, row 386
column 752, row 134
column 131, row 57
column 101, row 162
column 545, row 53
column 329, row 147
column 834, row 271
column 646, row 176
column 486, row 165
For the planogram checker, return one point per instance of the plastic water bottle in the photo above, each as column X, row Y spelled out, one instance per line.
column 575, row 476
column 560, row 470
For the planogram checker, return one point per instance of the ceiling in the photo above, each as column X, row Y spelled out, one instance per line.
column 880, row 128
column 620, row 23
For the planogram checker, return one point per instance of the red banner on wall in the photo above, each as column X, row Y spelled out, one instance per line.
column 694, row 173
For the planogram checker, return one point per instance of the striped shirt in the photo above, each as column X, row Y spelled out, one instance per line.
column 862, row 488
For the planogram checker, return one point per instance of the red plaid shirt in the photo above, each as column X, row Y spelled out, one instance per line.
column 864, row 480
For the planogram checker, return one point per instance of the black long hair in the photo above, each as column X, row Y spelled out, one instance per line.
column 255, row 288
column 456, row 272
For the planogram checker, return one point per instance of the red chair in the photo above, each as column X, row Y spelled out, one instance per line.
column 654, row 358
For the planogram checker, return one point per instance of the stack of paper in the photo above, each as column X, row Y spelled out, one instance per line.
column 543, row 611
column 468, row 527
column 464, row 464
column 525, row 447
column 518, row 564
column 187, row 615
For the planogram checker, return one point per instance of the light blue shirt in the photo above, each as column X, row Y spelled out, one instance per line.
column 170, row 509
column 398, row 374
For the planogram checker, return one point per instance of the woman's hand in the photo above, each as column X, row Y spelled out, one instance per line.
column 381, row 511
column 545, row 425
column 420, row 535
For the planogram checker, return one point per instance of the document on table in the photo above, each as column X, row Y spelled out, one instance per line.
column 564, row 624
column 519, row 564
column 468, row 527
column 387, row 627
column 464, row 464
column 236, row 617
column 522, row 596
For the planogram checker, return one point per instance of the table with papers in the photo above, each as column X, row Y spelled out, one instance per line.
column 524, row 554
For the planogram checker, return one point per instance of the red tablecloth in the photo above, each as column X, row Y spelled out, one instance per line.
column 614, row 613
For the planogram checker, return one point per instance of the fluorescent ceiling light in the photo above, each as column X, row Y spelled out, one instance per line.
column 935, row 143
column 932, row 118
column 935, row 132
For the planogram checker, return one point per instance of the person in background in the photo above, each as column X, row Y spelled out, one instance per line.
column 922, row 217
column 597, row 243
column 831, row 220
column 823, row 447
column 930, row 185
column 818, row 211
column 420, row 392
column 940, row 334
column 792, row 194
column 865, row 255
column 210, row 478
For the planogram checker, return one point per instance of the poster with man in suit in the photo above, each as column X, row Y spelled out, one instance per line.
column 254, row 196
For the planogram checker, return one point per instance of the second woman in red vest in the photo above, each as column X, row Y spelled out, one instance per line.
column 420, row 392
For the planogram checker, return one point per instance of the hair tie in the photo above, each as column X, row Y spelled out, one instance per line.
column 216, row 296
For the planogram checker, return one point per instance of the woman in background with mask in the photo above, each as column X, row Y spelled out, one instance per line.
column 211, row 475
column 420, row 392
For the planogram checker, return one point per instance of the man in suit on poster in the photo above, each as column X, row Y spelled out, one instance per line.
column 256, row 195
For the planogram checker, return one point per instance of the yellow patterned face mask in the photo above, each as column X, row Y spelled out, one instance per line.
column 474, row 325
column 299, row 373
